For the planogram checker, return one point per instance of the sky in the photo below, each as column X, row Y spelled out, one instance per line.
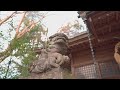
column 53, row 21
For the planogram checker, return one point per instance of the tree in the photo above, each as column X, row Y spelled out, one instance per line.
column 71, row 29
column 27, row 37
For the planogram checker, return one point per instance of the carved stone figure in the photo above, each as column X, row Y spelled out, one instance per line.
column 57, row 59
column 51, row 58
column 117, row 53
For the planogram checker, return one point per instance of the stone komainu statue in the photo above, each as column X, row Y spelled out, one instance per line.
column 117, row 53
column 54, row 56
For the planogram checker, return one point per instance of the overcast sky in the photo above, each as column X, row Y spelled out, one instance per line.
column 53, row 21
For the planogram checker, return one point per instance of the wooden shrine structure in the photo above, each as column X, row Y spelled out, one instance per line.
column 104, row 28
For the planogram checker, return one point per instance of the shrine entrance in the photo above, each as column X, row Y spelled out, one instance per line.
column 108, row 69
column 93, row 52
column 84, row 58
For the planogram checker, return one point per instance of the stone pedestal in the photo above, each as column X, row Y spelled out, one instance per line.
column 53, row 62
column 56, row 73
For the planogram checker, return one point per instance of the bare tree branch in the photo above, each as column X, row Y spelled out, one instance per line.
column 25, row 31
column 19, row 34
column 17, row 30
column 4, row 20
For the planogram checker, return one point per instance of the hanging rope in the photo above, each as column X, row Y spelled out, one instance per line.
column 93, row 53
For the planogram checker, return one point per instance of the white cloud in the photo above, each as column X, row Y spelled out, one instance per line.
column 57, row 19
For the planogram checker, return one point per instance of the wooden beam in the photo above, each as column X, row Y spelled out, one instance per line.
column 108, row 26
column 96, row 14
column 117, row 15
column 109, row 36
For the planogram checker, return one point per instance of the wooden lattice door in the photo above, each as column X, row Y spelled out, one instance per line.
column 108, row 69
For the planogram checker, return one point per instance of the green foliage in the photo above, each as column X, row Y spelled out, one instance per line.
column 22, row 48
column 26, row 21
column 25, row 49
column 11, row 74
column 1, row 34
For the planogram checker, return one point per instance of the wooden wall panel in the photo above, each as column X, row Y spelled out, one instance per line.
column 101, row 54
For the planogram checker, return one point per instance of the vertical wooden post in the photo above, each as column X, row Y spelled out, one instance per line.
column 72, row 68
column 98, row 72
